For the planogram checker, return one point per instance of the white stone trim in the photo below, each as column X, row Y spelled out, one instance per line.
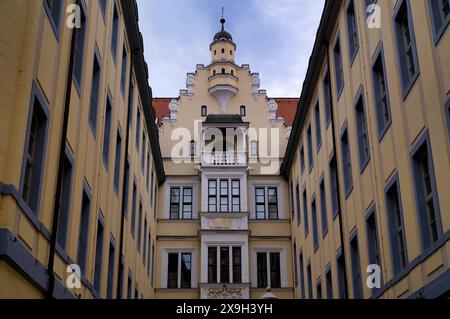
column 283, row 264
column 180, row 183
column 280, row 194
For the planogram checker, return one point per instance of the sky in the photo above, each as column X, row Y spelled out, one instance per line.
column 274, row 36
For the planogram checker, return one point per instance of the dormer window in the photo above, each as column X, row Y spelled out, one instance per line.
column 204, row 111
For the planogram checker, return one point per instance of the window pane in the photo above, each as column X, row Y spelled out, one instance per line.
column 237, row 271
column 261, row 260
column 275, row 273
column 224, row 265
column 172, row 272
column 186, row 264
column 212, row 265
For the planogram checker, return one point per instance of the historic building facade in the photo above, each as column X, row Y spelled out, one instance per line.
column 368, row 157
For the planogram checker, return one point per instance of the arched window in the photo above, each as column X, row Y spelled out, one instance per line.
column 215, row 52
column 231, row 52
column 192, row 149
column 204, row 111
column 232, row 72
column 223, row 50
column 243, row 111
column 223, row 70
column 254, row 148
column 214, row 72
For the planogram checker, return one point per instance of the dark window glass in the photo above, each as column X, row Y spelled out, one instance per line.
column 310, row 148
column 224, row 196
column 139, row 228
column 186, row 268
column 297, row 196
column 356, row 269
column 111, row 265
column 319, row 290
column 314, row 224
column 341, row 277
column 347, row 163
column 187, row 203
column 133, row 210
column 79, row 50
column 333, row 186
column 175, row 203
column 54, row 10
column 107, row 134
column 64, row 197
column 273, row 203
column 117, row 163
column 129, row 286
column 237, row 269
column 261, row 260
column 243, row 111
column 98, row 257
column 302, row 159
column 323, row 208
column 123, row 77
column 302, row 277
column 352, row 29
column 260, row 203
column 236, row 195
column 115, row 31
column 275, row 272
column 305, row 212
column 95, row 91
column 212, row 265
column 329, row 282
column 382, row 104
column 338, row 67
column 224, row 265
column 363, row 134
column 204, row 111
column 138, row 127
column 83, row 236
column 440, row 10
column 212, row 196
column 318, row 127
column 172, row 271
column 327, row 97
column 310, row 287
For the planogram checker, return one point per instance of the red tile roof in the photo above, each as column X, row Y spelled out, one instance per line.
column 161, row 106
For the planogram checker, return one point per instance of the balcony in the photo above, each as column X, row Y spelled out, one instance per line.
column 224, row 159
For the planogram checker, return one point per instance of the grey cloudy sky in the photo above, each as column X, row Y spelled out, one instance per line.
column 274, row 36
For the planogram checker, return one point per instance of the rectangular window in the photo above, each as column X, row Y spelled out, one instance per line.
column 260, row 203
column 295, row 265
column 305, row 213
column 406, row 47
column 310, row 287
column 396, row 229
column 372, row 240
column 426, row 195
column 152, row 188
column 186, row 270
column 130, row 105
column 149, row 251
column 144, row 249
column 172, row 271
column 319, row 290
column 98, row 256
column 363, row 134
column 382, row 105
column 352, row 26
column 327, row 97
column 314, row 224
column 139, row 227
column 53, row 8
column 341, row 276
column 318, row 127
column 268, row 270
column 138, row 127
column 356, row 269
column 323, row 208
column 267, row 195
column 153, row 262
column 34, row 155
column 224, row 265
column 143, row 153
column 273, row 203
column 236, row 196
column 302, row 276
column 310, row 148
column 275, row 271
column 212, row 196
column 187, row 203
column 228, row 257
column 130, row 286
column 106, row 136
column 117, row 163
column 78, row 54
column 212, row 265
column 329, row 282
column 302, row 159
column 175, row 203
column 338, row 67
column 127, row 188
column 83, row 236
column 347, row 163
column 223, row 196
column 120, row 280
column 64, row 197
column 123, row 77
column 115, row 31
column 237, row 265
column 440, row 13
column 133, row 209
column 297, row 196
column 111, row 262
column 147, row 178
column 291, row 193
column 333, row 187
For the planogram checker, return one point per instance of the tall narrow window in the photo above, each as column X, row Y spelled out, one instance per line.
column 83, row 235
column 139, row 228
column 133, row 210
column 352, row 26
column 186, row 269
column 175, row 203
column 341, row 276
column 187, row 203
column 138, row 127
column 333, row 186
column 212, row 196
column 254, row 148
column 268, row 270
column 314, row 224
column 53, row 8
column 130, row 106
column 327, row 97
column 310, row 148
column 223, row 196
column 372, row 240
column 34, row 156
column 272, row 194
column 243, row 111
column 147, row 177
column 305, row 213
column 224, row 265
column 117, row 163
column 302, row 276
column 120, row 280
column 297, row 197
column 347, row 163
column 236, row 196
column 291, row 195
column 396, row 229
column 212, row 265
column 127, row 188
column 356, row 269
column 382, row 104
column 149, row 251
column 103, row 4
column 123, row 76
column 318, row 127
column 440, row 12
column 204, row 111
column 95, row 91
column 144, row 139
column 426, row 195
column 260, row 203
column 302, row 158
column 329, row 282
column 310, row 284
column 294, row 250
column 338, row 67
column 363, row 134
column 172, row 271
column 237, row 267
column 107, row 134
column 64, row 198
column 111, row 262
column 152, row 189
column 192, row 149
column 115, row 31
column 129, row 286
column 98, row 256
column 275, row 271
column 79, row 50
column 406, row 47
column 323, row 208
column 319, row 290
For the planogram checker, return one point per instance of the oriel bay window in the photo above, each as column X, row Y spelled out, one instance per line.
column 266, row 203
column 179, row 270
column 224, row 265
column 268, row 270
column 224, row 195
column 181, row 203
column 228, row 196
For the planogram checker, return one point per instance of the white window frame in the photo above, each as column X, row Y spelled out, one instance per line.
column 230, row 261
column 182, row 185
column 283, row 265
column 266, row 186
column 165, row 266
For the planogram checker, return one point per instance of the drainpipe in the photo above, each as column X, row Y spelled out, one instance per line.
column 124, row 183
column 62, row 147
column 338, row 188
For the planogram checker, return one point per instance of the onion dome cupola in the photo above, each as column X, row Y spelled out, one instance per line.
column 222, row 48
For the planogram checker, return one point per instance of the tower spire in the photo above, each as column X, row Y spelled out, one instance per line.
column 223, row 20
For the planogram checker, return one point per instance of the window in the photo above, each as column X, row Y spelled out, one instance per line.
column 151, row 188
column 227, row 256
column 363, row 134
column 223, row 70
column 243, row 111
column 149, row 252
column 98, row 256
column 147, row 178
column 295, row 265
column 139, row 227
column 323, row 208
column 329, row 282
column 352, row 30
column 120, row 280
column 83, row 235
column 204, row 111
column 333, row 187
column 426, row 195
column 130, row 285
column 396, row 229
column 302, row 276
column 318, row 127
column 78, row 53
column 347, row 163
column 382, row 105
column 111, row 262
column 291, row 193
column 53, row 8
column 179, row 270
column 314, row 224
column 133, row 210
column 64, row 198
column 95, row 91
column 338, row 67
column 153, row 262
column 123, row 77
column 267, row 195
column 223, row 50
column 34, row 155
column 103, row 4
column 174, row 203
column 302, row 159
column 341, row 276
column 440, row 16
column 115, row 31
column 192, row 149
column 356, row 268
column 144, row 249
column 107, row 134
column 144, row 139
column 127, row 187
column 237, row 265
column 254, row 148
column 184, row 206
column 130, row 105
column 212, row 196
column 310, row 288
column 212, row 265
column 305, row 213
column 236, row 196
column 319, row 290
column 187, row 203
column 268, row 270
column 297, row 196
column 327, row 97
column 117, row 163
column 224, row 196
column 310, row 148
column 372, row 239
column 138, row 127
column 406, row 47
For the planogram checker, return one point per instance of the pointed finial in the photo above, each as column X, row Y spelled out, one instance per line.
column 222, row 20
